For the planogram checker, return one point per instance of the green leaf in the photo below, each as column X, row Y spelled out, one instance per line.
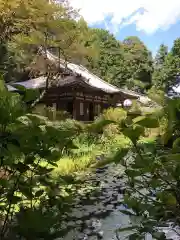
column 26, row 191
column 175, row 156
column 148, row 122
column 176, row 143
column 43, row 170
column 22, row 168
column 53, row 164
column 120, row 154
column 134, row 133
column 14, row 199
column 4, row 182
column 159, row 236
column 171, row 200
column 31, row 95
column 132, row 173
column 98, row 126
column 137, row 119
column 39, row 193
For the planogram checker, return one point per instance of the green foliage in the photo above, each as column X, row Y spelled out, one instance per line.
column 152, row 175
column 114, row 114
column 157, row 95
column 25, row 26
column 125, row 64
column 161, row 56
column 139, row 60
column 30, row 147
column 167, row 66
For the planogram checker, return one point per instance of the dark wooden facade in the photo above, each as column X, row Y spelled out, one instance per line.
column 82, row 101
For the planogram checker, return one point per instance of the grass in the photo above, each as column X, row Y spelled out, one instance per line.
column 82, row 159
column 68, row 165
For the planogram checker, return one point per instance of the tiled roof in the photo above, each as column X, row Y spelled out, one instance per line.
column 34, row 83
column 91, row 79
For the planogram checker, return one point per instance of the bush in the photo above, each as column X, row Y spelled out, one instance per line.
column 114, row 114
column 30, row 146
column 157, row 95
column 51, row 113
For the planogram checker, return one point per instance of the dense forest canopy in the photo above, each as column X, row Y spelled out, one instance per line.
column 57, row 25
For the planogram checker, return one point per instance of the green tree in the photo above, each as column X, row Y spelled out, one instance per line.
column 138, row 62
column 109, row 58
column 167, row 67
column 127, row 64
column 159, row 65
column 161, row 56
column 25, row 26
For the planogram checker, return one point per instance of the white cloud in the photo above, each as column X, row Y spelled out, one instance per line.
column 158, row 14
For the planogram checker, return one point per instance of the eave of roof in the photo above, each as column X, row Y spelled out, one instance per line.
column 11, row 88
column 35, row 83
column 89, row 78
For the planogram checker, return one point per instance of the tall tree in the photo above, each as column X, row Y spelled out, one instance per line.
column 108, row 60
column 161, row 55
column 138, row 61
column 166, row 74
column 159, row 64
column 27, row 25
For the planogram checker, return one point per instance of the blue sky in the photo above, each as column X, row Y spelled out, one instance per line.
column 153, row 40
column 153, row 21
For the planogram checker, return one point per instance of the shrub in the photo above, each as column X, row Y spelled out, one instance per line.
column 51, row 113
column 157, row 95
column 30, row 146
column 114, row 114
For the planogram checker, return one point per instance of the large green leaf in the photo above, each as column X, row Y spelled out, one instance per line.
column 99, row 125
column 134, row 133
column 31, row 95
column 148, row 122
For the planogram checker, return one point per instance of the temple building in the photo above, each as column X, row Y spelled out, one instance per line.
column 77, row 91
